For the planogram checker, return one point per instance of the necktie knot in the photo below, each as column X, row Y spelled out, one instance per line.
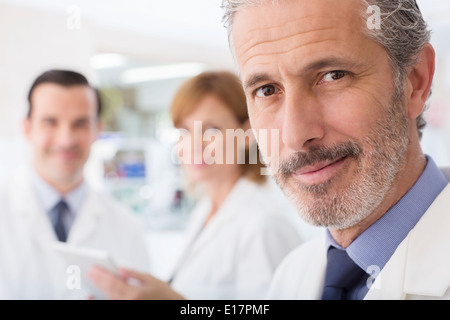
column 342, row 274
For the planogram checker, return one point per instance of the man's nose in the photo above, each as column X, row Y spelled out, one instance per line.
column 66, row 136
column 303, row 123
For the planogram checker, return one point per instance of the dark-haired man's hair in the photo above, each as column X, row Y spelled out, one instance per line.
column 65, row 78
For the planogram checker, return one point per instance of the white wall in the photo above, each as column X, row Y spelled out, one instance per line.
column 31, row 42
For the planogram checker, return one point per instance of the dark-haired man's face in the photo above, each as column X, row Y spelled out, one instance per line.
column 61, row 130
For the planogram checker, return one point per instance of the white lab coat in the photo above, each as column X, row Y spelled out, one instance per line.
column 31, row 269
column 235, row 255
column 418, row 269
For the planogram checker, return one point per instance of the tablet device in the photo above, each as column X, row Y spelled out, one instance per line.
column 78, row 262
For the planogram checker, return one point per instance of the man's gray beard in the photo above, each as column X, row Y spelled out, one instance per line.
column 388, row 144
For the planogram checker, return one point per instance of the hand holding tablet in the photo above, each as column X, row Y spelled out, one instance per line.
column 83, row 259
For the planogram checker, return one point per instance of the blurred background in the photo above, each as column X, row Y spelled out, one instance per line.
column 138, row 52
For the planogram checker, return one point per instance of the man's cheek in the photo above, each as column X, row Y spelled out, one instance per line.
column 268, row 140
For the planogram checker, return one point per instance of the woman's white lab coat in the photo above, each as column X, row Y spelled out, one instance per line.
column 29, row 266
column 235, row 255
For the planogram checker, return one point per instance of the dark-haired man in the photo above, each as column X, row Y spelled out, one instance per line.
column 50, row 201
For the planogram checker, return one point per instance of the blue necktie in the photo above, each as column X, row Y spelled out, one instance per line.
column 60, row 210
column 341, row 276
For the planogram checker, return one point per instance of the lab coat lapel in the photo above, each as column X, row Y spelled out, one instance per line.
column 420, row 264
column 25, row 205
column 389, row 283
column 194, row 230
column 428, row 261
column 86, row 219
column 233, row 205
column 446, row 172
column 312, row 286
column 208, row 232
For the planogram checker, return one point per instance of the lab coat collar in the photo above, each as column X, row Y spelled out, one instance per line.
column 420, row 264
column 25, row 204
column 316, row 271
column 90, row 215
column 235, row 203
column 49, row 197
column 428, row 250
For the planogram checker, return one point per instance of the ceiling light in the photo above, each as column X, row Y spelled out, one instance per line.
column 107, row 60
column 172, row 71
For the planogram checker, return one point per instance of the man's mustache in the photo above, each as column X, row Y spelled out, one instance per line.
column 317, row 154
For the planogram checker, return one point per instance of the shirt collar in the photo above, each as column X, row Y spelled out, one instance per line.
column 49, row 196
column 375, row 246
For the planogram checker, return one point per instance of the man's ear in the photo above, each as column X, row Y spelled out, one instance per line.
column 99, row 128
column 26, row 127
column 98, row 131
column 419, row 81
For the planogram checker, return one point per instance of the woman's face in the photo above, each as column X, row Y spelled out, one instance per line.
column 206, row 154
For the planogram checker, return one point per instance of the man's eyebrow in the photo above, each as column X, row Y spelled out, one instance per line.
column 332, row 63
column 255, row 79
column 82, row 119
column 316, row 65
column 47, row 118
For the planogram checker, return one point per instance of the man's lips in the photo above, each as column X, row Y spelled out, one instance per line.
column 66, row 154
column 317, row 167
column 320, row 172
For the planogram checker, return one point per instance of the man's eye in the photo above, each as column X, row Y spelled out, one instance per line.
column 49, row 122
column 333, row 76
column 266, row 91
column 82, row 124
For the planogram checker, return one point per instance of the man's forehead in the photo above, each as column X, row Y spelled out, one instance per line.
column 52, row 99
column 292, row 23
column 49, row 90
column 283, row 12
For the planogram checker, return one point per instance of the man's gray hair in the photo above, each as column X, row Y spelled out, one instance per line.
column 403, row 34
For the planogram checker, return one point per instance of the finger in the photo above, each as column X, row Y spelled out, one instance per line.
column 133, row 274
column 112, row 285
column 152, row 287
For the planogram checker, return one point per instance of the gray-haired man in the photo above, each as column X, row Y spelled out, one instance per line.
column 347, row 96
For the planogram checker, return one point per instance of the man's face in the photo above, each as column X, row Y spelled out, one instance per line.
column 309, row 71
column 62, row 126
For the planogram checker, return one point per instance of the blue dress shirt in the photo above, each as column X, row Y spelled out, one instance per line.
column 49, row 197
column 375, row 246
